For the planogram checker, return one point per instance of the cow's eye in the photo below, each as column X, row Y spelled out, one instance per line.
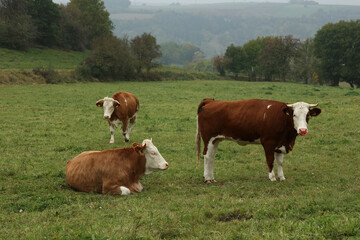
column 294, row 115
column 153, row 153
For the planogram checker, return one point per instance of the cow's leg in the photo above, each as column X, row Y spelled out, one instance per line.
column 279, row 160
column 269, row 153
column 112, row 131
column 209, row 159
column 109, row 188
column 138, row 187
column 129, row 128
column 124, row 128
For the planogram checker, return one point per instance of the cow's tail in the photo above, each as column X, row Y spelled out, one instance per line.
column 198, row 136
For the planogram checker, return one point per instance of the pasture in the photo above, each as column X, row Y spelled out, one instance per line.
column 44, row 126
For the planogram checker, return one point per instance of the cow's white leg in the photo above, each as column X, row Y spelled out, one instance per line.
column 112, row 131
column 130, row 127
column 279, row 159
column 209, row 159
column 272, row 176
column 125, row 190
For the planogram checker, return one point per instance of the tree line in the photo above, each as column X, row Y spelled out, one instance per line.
column 333, row 55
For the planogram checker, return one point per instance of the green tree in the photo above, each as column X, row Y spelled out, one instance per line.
column 219, row 63
column 94, row 18
column 72, row 35
column 338, row 47
column 17, row 30
column 46, row 15
column 110, row 59
column 237, row 59
column 305, row 63
column 144, row 50
column 253, row 49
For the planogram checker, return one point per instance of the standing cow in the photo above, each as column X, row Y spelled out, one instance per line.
column 121, row 107
column 115, row 171
column 273, row 124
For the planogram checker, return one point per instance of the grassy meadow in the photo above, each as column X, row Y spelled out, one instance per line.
column 44, row 126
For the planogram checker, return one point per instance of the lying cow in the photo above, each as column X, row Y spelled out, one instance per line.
column 116, row 171
column 121, row 107
column 273, row 124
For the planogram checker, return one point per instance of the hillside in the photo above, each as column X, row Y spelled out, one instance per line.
column 213, row 27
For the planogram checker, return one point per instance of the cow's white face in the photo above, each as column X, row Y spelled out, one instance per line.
column 301, row 113
column 154, row 160
column 109, row 104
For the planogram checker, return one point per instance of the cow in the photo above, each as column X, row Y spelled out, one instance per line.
column 114, row 171
column 120, row 108
column 272, row 124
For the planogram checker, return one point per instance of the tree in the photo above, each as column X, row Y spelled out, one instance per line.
column 219, row 63
column 45, row 15
column 110, row 59
column 94, row 18
column 253, row 49
column 338, row 47
column 305, row 62
column 17, row 30
column 72, row 35
column 237, row 58
column 145, row 49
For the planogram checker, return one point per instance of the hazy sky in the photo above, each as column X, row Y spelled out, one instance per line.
column 167, row 2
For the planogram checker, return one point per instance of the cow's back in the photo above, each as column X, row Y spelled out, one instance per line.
column 245, row 120
column 129, row 104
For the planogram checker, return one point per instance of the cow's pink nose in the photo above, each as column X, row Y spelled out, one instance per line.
column 166, row 165
column 106, row 117
column 303, row 131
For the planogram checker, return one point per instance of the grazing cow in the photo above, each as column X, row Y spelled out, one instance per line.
column 273, row 124
column 121, row 107
column 115, row 171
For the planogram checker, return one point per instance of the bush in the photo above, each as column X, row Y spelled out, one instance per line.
column 49, row 74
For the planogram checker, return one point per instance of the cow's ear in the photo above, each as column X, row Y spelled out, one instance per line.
column 139, row 148
column 116, row 104
column 315, row 111
column 288, row 111
column 100, row 103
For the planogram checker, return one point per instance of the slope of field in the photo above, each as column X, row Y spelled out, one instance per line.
column 35, row 57
column 44, row 126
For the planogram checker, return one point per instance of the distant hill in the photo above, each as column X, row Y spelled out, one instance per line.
column 213, row 27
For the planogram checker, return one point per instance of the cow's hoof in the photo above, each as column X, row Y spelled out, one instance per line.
column 210, row 181
column 111, row 142
column 282, row 179
column 126, row 139
column 273, row 179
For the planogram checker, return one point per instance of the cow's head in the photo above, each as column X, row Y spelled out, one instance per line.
column 109, row 104
column 301, row 112
column 154, row 160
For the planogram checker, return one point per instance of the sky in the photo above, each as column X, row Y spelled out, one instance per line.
column 185, row 2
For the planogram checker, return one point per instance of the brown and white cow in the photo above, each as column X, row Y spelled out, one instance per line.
column 121, row 107
column 273, row 124
column 115, row 171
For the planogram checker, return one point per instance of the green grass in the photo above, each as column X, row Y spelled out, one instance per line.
column 44, row 126
column 35, row 57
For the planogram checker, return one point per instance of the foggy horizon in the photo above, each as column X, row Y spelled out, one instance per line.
column 189, row 2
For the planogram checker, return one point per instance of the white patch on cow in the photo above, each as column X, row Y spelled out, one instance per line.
column 282, row 149
column 301, row 110
column 154, row 160
column 264, row 116
column 113, row 124
column 269, row 106
column 126, row 102
column 279, row 160
column 108, row 106
column 116, row 123
column 272, row 176
column 125, row 191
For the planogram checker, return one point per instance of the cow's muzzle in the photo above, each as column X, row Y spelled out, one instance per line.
column 106, row 116
column 302, row 131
